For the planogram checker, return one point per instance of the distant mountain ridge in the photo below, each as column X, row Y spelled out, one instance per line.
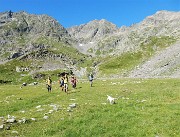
column 123, row 39
column 44, row 39
column 22, row 33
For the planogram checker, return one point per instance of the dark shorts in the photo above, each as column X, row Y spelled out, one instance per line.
column 61, row 85
column 48, row 87
column 65, row 85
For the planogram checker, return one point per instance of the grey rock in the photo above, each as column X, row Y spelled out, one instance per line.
column 1, row 127
column 8, row 127
column 11, row 120
column 46, row 117
column 73, row 105
column 14, row 132
column 33, row 119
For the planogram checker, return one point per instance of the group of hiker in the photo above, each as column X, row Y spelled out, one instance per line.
column 64, row 80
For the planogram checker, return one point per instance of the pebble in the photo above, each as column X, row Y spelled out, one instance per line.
column 1, row 126
column 8, row 127
column 33, row 119
column 14, row 132
column 38, row 106
column 45, row 117
column 72, row 105
column 12, row 120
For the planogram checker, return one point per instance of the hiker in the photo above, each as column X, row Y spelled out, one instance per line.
column 61, row 83
column 65, row 83
column 73, row 81
column 91, row 79
column 49, row 84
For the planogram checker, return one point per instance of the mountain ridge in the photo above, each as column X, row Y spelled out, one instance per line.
column 84, row 47
column 157, row 24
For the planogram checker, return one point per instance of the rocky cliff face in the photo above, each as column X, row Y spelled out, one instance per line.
column 37, row 38
column 105, row 37
column 32, row 25
column 90, row 33
column 94, row 30
column 22, row 32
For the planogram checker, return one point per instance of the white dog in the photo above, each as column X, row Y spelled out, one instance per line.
column 111, row 99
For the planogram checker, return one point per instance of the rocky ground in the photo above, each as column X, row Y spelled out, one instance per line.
column 164, row 64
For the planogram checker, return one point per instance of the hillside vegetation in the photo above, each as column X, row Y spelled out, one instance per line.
column 126, row 62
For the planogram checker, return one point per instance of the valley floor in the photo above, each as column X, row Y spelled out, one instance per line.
column 143, row 107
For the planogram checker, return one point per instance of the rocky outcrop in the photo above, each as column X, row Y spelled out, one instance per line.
column 32, row 25
column 93, row 30
column 105, row 38
column 90, row 33
column 27, row 31
column 163, row 64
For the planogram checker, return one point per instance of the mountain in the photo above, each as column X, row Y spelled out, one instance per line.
column 22, row 32
column 40, row 43
column 37, row 42
column 119, row 40
column 88, row 34
column 141, row 43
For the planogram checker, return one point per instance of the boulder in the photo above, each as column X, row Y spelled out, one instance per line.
column 11, row 120
column 1, row 127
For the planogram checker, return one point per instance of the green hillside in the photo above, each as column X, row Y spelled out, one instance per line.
column 129, row 60
column 56, row 53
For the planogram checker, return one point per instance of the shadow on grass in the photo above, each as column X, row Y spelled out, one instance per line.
column 73, row 91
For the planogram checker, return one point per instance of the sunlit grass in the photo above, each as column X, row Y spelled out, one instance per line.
column 121, row 64
column 145, row 107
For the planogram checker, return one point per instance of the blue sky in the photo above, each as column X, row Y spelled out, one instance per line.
column 75, row 12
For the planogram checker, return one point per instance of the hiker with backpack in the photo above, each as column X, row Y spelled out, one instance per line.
column 49, row 84
column 91, row 79
column 61, row 83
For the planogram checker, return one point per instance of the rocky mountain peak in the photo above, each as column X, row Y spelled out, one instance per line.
column 93, row 30
column 32, row 24
column 162, row 17
column 24, row 31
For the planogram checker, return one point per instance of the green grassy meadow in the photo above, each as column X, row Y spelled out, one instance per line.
column 145, row 107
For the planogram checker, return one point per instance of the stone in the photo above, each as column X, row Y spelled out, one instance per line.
column 11, row 120
column 8, row 127
column 1, row 127
column 14, row 132
column 35, row 83
column 38, row 106
column 24, row 120
column 24, row 84
column 72, row 105
column 69, row 110
column 50, row 111
column 22, row 111
column 45, row 117
column 41, row 109
column 1, row 117
column 33, row 119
